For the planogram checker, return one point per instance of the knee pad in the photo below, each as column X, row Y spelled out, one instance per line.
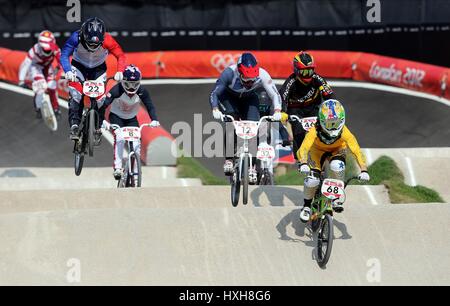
column 311, row 181
column 337, row 167
column 311, row 184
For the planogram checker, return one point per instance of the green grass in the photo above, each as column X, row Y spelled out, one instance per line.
column 188, row 167
column 384, row 171
column 292, row 177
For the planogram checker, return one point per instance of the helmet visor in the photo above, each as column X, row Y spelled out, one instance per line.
column 47, row 52
column 131, row 86
column 93, row 46
column 304, row 73
column 331, row 125
column 248, row 82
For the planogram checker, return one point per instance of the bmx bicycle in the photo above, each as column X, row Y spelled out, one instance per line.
column 89, row 122
column 47, row 113
column 246, row 130
column 329, row 193
column 132, row 171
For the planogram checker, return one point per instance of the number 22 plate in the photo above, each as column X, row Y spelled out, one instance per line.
column 93, row 89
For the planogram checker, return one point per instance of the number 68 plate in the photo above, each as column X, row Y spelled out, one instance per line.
column 93, row 89
column 333, row 189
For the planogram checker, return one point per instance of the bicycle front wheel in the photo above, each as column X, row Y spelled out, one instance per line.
column 91, row 132
column 79, row 160
column 48, row 115
column 135, row 171
column 325, row 240
column 235, row 187
column 245, row 180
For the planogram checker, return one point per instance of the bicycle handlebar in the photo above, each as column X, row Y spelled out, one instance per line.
column 294, row 118
column 82, row 82
column 116, row 127
column 349, row 180
column 231, row 119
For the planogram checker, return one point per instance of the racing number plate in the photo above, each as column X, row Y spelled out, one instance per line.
column 246, row 129
column 93, row 89
column 308, row 122
column 265, row 152
column 130, row 133
column 333, row 189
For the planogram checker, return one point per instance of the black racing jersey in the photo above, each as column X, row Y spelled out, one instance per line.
column 297, row 95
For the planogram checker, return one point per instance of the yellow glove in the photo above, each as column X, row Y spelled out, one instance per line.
column 284, row 117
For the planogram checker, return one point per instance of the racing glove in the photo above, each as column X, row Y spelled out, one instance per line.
column 364, row 176
column 284, row 117
column 277, row 116
column 106, row 125
column 154, row 123
column 70, row 76
column 217, row 114
column 118, row 76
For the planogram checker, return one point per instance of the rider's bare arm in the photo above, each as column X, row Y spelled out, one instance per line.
column 354, row 147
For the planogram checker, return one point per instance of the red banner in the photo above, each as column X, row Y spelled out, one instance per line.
column 401, row 73
column 209, row 64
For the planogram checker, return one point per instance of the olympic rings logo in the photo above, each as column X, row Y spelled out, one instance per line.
column 221, row 61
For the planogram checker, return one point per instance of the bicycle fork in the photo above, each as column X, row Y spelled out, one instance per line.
column 243, row 155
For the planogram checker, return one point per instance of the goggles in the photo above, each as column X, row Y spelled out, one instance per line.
column 248, row 81
column 131, row 85
column 304, row 72
column 332, row 125
column 93, row 46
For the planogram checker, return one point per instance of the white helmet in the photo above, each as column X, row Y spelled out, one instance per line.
column 46, row 40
